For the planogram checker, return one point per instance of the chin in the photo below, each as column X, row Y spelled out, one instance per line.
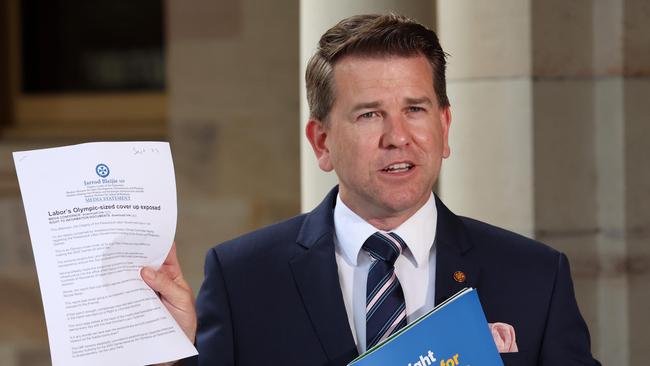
column 404, row 203
column 401, row 206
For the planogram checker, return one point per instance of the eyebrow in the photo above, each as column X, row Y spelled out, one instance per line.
column 421, row 100
column 365, row 105
column 377, row 104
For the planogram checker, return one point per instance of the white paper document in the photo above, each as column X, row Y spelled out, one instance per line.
column 97, row 213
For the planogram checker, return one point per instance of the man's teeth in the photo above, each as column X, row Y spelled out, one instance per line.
column 398, row 167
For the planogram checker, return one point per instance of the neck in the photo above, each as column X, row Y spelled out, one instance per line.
column 385, row 221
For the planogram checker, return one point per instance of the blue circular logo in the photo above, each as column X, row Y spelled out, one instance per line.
column 102, row 170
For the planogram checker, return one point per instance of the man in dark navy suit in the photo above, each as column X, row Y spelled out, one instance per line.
column 297, row 292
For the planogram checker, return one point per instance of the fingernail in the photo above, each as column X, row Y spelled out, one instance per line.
column 149, row 273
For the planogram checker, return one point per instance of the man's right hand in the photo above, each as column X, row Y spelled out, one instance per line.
column 174, row 292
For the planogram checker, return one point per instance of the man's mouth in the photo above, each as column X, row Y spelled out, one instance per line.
column 397, row 168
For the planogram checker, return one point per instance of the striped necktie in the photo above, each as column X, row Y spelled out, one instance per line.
column 385, row 307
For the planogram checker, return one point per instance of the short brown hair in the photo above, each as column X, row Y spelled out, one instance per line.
column 370, row 35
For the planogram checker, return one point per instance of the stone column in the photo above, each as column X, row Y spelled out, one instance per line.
column 315, row 18
column 635, row 76
column 609, row 118
column 489, row 173
column 565, row 163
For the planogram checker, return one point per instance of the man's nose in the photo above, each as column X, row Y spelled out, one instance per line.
column 396, row 132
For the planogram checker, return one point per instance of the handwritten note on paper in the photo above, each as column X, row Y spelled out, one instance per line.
column 97, row 213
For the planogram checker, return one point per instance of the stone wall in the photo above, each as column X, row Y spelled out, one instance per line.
column 23, row 338
column 233, row 125
column 234, row 109
column 549, row 139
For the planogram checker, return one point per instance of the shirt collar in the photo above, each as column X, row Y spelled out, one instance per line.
column 418, row 231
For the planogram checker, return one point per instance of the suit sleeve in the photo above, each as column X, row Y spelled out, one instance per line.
column 566, row 340
column 214, row 337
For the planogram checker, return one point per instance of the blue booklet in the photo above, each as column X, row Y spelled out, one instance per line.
column 454, row 333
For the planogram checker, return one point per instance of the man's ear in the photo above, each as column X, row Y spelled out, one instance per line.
column 316, row 132
column 445, row 120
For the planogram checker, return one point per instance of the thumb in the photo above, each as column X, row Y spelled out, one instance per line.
column 151, row 278
column 176, row 296
column 161, row 283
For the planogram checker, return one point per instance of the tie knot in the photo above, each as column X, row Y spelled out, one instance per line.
column 384, row 246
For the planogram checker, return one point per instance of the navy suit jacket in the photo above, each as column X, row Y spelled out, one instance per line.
column 273, row 297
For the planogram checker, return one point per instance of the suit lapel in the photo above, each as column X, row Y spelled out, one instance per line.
column 454, row 268
column 315, row 273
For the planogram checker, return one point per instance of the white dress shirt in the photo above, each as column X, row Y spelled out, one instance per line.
column 415, row 268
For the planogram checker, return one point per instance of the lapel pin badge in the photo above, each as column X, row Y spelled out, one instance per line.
column 459, row 276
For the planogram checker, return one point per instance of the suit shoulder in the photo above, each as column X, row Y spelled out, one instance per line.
column 271, row 239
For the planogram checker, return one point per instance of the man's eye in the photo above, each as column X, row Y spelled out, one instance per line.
column 415, row 109
column 368, row 115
